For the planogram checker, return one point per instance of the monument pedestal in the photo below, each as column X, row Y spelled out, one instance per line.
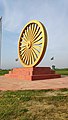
column 33, row 73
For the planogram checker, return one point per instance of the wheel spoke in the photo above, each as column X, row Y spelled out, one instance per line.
column 24, row 39
column 24, row 59
column 37, row 51
column 37, row 32
column 27, row 29
column 39, row 39
column 23, row 51
column 22, row 48
column 38, row 43
column 33, row 57
column 23, row 55
column 35, row 28
column 27, row 33
column 37, row 47
column 28, row 57
column 35, row 54
column 39, row 35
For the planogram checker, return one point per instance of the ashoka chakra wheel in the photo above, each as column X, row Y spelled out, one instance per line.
column 32, row 43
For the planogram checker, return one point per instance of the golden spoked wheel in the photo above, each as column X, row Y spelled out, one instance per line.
column 32, row 43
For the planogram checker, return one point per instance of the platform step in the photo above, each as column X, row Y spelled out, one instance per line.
column 33, row 77
column 34, row 73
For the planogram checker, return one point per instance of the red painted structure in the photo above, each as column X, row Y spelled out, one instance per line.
column 33, row 73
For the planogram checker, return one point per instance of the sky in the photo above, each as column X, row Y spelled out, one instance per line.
column 52, row 13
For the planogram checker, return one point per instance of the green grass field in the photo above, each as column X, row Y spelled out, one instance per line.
column 34, row 105
column 59, row 71
column 3, row 72
column 62, row 71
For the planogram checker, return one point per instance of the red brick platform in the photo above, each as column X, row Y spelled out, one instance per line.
column 7, row 83
column 33, row 73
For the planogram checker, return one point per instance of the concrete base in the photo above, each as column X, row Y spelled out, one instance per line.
column 33, row 73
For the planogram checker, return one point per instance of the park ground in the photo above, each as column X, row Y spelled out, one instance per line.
column 34, row 104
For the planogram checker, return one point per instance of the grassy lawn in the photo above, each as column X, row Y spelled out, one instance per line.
column 59, row 71
column 2, row 72
column 34, row 105
column 62, row 71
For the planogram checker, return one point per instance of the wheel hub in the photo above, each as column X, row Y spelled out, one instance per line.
column 29, row 44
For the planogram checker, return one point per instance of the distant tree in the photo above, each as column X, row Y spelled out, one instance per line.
column 53, row 67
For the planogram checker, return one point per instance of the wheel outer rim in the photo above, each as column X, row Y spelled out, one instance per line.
column 44, row 44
